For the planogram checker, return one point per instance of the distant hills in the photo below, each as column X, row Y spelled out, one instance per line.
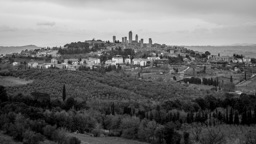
column 248, row 50
column 16, row 49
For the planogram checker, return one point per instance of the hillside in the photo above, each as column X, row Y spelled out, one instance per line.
column 246, row 50
column 90, row 85
column 16, row 49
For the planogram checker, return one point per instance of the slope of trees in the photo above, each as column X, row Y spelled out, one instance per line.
column 90, row 84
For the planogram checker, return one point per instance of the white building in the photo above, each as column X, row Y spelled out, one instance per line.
column 128, row 61
column 15, row 63
column 71, row 61
column 110, row 62
column 54, row 61
column 90, row 62
column 140, row 61
column 153, row 58
column 118, row 59
column 33, row 64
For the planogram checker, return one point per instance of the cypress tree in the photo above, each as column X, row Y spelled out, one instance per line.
column 231, row 79
column 231, row 116
column 244, row 118
column 186, row 138
column 254, row 115
column 64, row 93
column 249, row 117
column 226, row 116
column 236, row 120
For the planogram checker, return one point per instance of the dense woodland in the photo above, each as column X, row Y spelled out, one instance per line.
column 117, row 105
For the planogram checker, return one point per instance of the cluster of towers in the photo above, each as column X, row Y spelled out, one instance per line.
column 131, row 41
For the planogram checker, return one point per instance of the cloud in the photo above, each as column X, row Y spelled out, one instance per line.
column 49, row 24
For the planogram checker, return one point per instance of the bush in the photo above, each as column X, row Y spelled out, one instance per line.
column 130, row 127
column 48, row 131
column 96, row 132
column 72, row 140
column 59, row 136
column 30, row 137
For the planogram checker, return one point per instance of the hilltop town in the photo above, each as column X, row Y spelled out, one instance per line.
column 149, row 61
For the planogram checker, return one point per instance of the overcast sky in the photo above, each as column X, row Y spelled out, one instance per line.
column 173, row 22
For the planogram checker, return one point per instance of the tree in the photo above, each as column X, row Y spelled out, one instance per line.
column 207, row 53
column 170, row 135
column 236, row 120
column 70, row 103
column 231, row 79
column 3, row 94
column 186, row 138
column 64, row 93
column 31, row 137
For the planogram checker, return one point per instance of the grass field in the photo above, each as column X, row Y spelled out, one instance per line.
column 86, row 139
column 12, row 81
column 248, row 86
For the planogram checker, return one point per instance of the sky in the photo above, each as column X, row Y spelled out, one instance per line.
column 172, row 22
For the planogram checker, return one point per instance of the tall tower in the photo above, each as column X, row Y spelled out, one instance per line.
column 141, row 43
column 125, row 40
column 150, row 42
column 130, row 37
column 136, row 38
column 114, row 39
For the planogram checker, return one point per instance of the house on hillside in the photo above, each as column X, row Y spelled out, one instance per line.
column 47, row 65
column 127, row 61
column 161, row 62
column 54, row 61
column 153, row 58
column 90, row 62
column 16, row 63
column 118, row 59
column 60, row 66
column 172, row 51
column 71, row 61
column 247, row 60
column 32, row 64
column 140, row 62
column 110, row 62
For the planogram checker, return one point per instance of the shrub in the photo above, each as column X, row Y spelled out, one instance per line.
column 96, row 132
column 30, row 137
column 72, row 140
column 48, row 131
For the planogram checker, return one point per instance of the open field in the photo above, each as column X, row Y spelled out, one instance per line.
column 248, row 86
column 201, row 87
column 86, row 139
column 232, row 134
column 12, row 81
